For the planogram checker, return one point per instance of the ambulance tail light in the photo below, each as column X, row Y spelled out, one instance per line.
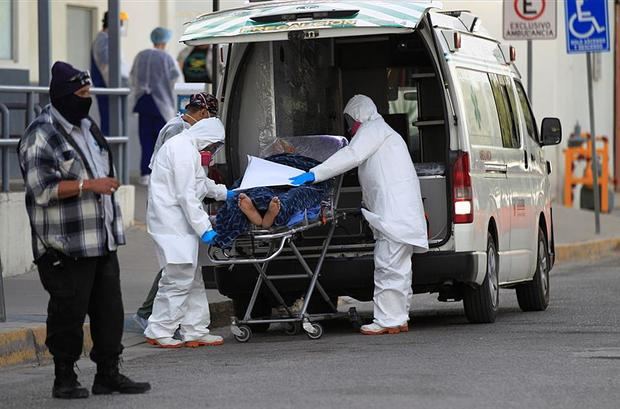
column 461, row 190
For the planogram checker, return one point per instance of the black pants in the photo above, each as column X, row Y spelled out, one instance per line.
column 83, row 286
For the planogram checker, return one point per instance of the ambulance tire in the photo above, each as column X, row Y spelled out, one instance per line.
column 482, row 302
column 534, row 295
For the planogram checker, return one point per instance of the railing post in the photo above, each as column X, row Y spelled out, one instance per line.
column 6, row 130
column 2, row 305
column 114, row 80
column 29, row 108
column 44, row 41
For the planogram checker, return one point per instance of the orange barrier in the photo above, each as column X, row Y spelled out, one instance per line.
column 584, row 152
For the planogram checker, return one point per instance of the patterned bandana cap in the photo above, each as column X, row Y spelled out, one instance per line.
column 205, row 101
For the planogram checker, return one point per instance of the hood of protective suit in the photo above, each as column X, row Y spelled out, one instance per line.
column 205, row 132
column 362, row 109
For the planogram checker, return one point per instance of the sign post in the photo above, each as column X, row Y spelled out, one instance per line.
column 587, row 31
column 530, row 20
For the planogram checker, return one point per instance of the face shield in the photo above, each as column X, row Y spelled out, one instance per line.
column 124, row 17
column 352, row 124
column 207, row 154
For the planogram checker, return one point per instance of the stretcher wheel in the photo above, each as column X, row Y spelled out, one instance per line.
column 292, row 328
column 318, row 331
column 245, row 334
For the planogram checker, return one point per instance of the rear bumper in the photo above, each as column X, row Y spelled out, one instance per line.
column 353, row 276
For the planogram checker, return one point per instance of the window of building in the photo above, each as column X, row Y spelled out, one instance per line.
column 6, row 29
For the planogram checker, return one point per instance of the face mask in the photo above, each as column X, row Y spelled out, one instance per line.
column 73, row 108
column 205, row 158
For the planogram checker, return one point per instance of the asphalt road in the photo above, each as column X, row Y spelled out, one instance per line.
column 565, row 357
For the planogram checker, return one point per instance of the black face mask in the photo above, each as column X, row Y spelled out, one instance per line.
column 73, row 108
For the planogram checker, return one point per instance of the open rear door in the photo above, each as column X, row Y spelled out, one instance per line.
column 276, row 21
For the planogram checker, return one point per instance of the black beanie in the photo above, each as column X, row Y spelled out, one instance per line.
column 60, row 85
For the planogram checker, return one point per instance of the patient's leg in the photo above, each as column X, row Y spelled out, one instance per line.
column 272, row 212
column 247, row 207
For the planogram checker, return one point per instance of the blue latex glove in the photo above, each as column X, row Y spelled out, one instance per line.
column 302, row 179
column 208, row 237
column 230, row 194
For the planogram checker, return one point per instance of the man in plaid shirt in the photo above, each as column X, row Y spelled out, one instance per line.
column 76, row 227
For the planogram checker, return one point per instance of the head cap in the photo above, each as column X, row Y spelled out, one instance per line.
column 66, row 80
column 203, row 100
column 160, row 35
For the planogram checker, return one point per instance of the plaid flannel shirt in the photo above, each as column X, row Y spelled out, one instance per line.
column 74, row 225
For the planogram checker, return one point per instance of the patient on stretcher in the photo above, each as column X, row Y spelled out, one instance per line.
column 269, row 206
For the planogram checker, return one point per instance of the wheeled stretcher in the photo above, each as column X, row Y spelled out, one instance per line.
column 261, row 246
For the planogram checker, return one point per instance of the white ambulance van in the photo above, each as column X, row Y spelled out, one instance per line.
column 447, row 87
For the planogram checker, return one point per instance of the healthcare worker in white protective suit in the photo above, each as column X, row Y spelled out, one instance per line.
column 177, row 222
column 393, row 208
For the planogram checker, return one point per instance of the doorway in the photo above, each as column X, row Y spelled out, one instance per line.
column 80, row 35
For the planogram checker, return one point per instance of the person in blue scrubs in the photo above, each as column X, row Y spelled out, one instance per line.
column 152, row 79
column 99, row 68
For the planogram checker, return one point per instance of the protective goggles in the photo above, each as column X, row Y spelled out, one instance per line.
column 81, row 78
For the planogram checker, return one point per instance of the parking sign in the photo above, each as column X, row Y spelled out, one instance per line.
column 530, row 19
column 587, row 26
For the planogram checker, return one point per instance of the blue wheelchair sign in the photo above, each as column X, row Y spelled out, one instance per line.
column 587, row 26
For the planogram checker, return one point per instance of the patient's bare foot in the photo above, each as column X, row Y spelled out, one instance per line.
column 272, row 212
column 247, row 207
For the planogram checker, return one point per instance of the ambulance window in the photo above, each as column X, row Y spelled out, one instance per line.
column 528, row 116
column 480, row 114
column 506, row 109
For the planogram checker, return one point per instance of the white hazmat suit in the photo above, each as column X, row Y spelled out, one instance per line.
column 172, row 128
column 393, row 205
column 176, row 220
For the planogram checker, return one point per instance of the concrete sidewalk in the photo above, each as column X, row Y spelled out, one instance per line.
column 22, row 336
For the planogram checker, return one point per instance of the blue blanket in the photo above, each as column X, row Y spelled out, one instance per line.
column 231, row 222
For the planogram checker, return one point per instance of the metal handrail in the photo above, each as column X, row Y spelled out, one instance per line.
column 18, row 89
column 31, row 110
column 12, row 142
column 5, row 154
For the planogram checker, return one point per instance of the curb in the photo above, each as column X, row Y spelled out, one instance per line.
column 26, row 345
column 584, row 251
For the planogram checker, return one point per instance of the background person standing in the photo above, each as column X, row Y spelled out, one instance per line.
column 99, row 67
column 195, row 62
column 76, row 227
column 152, row 79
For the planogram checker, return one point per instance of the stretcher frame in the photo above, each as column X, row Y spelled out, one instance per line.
column 278, row 239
